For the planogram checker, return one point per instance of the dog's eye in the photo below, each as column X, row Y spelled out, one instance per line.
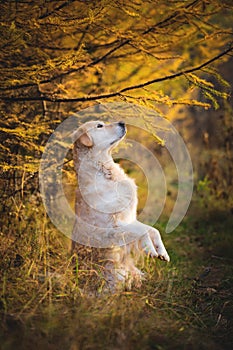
column 99, row 125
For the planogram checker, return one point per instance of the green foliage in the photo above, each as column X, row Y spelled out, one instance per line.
column 204, row 185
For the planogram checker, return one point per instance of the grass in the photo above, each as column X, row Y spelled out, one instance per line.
column 186, row 304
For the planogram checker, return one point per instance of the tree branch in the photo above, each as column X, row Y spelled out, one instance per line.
column 56, row 9
column 95, row 61
column 178, row 74
column 120, row 92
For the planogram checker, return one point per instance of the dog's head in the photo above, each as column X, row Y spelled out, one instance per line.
column 98, row 135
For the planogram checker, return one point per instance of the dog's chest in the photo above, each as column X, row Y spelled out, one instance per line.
column 114, row 185
column 114, row 173
column 109, row 190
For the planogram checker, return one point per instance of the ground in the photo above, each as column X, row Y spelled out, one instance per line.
column 185, row 304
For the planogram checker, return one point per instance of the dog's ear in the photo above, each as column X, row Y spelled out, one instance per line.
column 83, row 137
column 86, row 140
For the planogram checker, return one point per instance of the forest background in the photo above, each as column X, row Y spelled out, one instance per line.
column 60, row 57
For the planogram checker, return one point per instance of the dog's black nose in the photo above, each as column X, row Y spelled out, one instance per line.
column 121, row 124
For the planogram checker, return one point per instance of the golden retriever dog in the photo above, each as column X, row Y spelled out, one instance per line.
column 106, row 206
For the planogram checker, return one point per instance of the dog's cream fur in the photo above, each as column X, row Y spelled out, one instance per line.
column 107, row 198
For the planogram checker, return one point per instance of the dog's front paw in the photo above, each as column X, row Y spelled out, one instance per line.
column 147, row 246
column 164, row 255
column 152, row 244
column 159, row 246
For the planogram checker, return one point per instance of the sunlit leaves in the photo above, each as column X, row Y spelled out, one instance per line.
column 81, row 49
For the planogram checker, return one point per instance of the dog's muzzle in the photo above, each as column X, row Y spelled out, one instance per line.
column 121, row 132
column 123, row 127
